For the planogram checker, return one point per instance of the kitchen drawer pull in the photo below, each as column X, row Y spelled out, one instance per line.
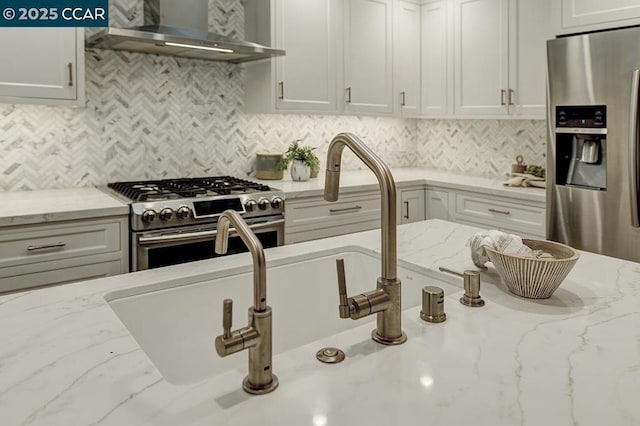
column 436, row 199
column 500, row 211
column 70, row 66
column 281, row 89
column 45, row 246
column 503, row 93
column 512, row 95
column 406, row 203
column 345, row 210
column 348, row 95
column 403, row 97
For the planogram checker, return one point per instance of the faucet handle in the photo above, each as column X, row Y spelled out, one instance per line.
column 343, row 307
column 227, row 315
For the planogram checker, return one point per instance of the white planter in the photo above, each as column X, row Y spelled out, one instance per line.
column 300, row 171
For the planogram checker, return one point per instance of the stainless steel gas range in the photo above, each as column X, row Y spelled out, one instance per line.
column 174, row 220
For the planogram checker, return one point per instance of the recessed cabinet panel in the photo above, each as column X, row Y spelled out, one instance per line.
column 306, row 75
column 437, row 204
column 39, row 64
column 481, row 49
column 585, row 12
column 368, row 56
column 407, row 58
column 437, row 58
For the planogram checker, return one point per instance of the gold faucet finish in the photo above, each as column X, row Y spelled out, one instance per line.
column 256, row 336
column 385, row 300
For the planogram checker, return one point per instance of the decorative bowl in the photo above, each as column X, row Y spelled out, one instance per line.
column 531, row 277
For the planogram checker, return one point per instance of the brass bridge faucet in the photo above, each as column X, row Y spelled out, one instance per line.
column 385, row 300
column 256, row 337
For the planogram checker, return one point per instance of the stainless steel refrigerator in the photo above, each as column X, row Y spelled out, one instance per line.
column 593, row 174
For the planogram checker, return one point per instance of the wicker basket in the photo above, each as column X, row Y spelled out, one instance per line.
column 535, row 278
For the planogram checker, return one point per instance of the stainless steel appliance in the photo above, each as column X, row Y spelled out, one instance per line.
column 174, row 221
column 593, row 177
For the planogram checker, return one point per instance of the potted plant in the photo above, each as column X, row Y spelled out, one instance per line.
column 303, row 160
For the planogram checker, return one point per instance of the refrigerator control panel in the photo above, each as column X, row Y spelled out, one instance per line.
column 582, row 116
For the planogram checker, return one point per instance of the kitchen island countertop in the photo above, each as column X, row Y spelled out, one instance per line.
column 66, row 359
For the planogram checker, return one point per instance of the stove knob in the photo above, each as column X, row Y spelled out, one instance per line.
column 276, row 202
column 250, row 205
column 263, row 203
column 183, row 212
column 166, row 213
column 149, row 216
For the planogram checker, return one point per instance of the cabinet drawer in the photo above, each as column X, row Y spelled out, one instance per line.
column 45, row 243
column 315, row 213
column 60, row 276
column 501, row 214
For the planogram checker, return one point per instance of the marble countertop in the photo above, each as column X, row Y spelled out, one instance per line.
column 362, row 180
column 66, row 358
column 51, row 205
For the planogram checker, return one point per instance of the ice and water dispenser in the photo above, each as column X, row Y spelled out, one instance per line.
column 581, row 146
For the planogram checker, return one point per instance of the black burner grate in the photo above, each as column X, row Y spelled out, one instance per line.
column 186, row 188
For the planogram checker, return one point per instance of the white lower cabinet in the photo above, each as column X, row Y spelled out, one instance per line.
column 411, row 206
column 522, row 217
column 62, row 252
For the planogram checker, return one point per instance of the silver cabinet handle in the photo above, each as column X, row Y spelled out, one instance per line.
column 281, row 90
column 512, row 95
column 633, row 146
column 500, row 211
column 70, row 66
column 45, row 246
column 503, row 93
column 436, row 199
column 348, row 95
column 345, row 210
column 406, row 203
column 403, row 98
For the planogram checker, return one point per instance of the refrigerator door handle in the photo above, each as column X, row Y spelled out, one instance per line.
column 633, row 148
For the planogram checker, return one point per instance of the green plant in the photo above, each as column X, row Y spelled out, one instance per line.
column 299, row 152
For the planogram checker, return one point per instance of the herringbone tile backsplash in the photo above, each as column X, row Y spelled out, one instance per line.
column 150, row 117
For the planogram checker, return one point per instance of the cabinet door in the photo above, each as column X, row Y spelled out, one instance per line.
column 577, row 13
column 412, row 209
column 529, row 31
column 437, row 58
column 368, row 56
column 407, row 58
column 306, row 75
column 481, row 57
column 39, row 63
column 437, row 204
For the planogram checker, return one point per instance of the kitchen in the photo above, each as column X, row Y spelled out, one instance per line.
column 138, row 106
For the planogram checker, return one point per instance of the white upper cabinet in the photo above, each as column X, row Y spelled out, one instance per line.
column 368, row 78
column 42, row 65
column 306, row 78
column 437, row 59
column 529, row 30
column 573, row 16
column 407, row 58
column 481, row 30
column 500, row 57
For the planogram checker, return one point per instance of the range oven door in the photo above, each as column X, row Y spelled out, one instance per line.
column 153, row 249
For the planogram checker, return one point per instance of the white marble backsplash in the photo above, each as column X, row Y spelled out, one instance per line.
column 153, row 117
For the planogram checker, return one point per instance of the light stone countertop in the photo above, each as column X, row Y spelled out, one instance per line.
column 363, row 180
column 52, row 205
column 66, row 359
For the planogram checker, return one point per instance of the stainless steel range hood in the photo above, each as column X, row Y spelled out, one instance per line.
column 179, row 28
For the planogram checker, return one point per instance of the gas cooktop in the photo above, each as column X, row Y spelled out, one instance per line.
column 168, row 189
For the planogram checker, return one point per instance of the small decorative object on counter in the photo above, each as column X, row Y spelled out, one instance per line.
column 303, row 160
column 519, row 166
column 267, row 166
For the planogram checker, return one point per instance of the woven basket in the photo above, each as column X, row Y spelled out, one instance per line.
column 535, row 278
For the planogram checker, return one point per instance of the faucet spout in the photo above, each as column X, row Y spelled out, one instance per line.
column 255, row 247
column 385, row 300
column 387, row 192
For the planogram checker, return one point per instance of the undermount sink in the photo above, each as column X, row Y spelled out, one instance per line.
column 176, row 326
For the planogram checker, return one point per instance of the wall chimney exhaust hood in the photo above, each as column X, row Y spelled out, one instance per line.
column 179, row 28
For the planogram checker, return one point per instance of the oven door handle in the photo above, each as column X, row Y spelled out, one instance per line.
column 144, row 241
